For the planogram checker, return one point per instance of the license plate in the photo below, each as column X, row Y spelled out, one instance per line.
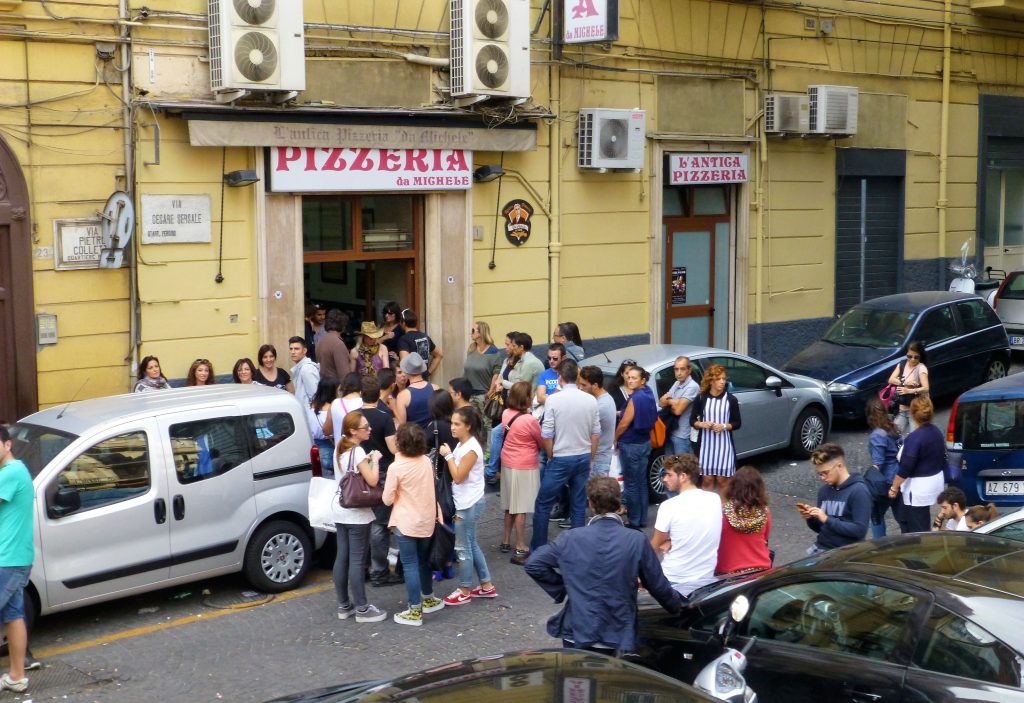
column 1019, row 341
column 1004, row 488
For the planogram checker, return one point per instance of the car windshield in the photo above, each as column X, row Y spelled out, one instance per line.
column 990, row 424
column 36, row 446
column 871, row 327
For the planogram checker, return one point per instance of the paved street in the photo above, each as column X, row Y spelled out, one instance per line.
column 203, row 643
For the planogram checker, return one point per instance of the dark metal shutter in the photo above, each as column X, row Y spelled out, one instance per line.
column 868, row 207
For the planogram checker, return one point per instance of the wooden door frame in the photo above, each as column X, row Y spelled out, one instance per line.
column 670, row 312
column 14, row 214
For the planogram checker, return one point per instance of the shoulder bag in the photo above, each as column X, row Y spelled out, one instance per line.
column 494, row 407
column 354, row 491
column 442, row 487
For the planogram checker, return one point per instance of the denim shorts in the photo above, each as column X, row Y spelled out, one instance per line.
column 13, row 580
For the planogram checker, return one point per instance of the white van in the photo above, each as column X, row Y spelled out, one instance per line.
column 144, row 491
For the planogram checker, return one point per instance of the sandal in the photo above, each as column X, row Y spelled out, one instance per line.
column 520, row 558
column 505, row 547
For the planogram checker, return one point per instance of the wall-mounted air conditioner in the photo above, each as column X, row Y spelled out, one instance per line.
column 490, row 48
column 832, row 109
column 786, row 114
column 608, row 138
column 256, row 45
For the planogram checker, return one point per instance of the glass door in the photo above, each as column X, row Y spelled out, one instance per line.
column 1004, row 218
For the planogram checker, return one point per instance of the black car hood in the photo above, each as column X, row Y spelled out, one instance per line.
column 826, row 361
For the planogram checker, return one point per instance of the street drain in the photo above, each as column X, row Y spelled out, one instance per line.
column 233, row 601
column 57, row 677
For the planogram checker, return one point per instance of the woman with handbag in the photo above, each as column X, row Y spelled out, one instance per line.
column 353, row 524
column 350, row 398
column 911, row 380
column 316, row 415
column 716, row 415
column 409, row 489
column 520, row 459
column 633, row 440
column 883, row 445
column 921, row 476
column 466, row 464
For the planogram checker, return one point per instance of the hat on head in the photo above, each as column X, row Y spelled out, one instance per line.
column 369, row 329
column 413, row 365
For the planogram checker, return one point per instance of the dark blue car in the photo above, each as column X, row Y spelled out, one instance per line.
column 986, row 440
column 965, row 345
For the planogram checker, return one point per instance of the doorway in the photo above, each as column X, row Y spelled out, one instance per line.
column 362, row 251
column 869, row 216
column 697, row 227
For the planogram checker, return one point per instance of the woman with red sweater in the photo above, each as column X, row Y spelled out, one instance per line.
column 746, row 524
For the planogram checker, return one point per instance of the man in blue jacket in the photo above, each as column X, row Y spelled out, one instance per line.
column 844, row 502
column 594, row 570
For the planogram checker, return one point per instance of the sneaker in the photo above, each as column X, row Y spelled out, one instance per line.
column 31, row 663
column 376, row 578
column 479, row 592
column 457, row 597
column 430, row 604
column 557, row 514
column 449, row 571
column 437, row 575
column 410, row 616
column 521, row 556
column 345, row 611
column 565, row 524
column 370, row 614
column 9, row 684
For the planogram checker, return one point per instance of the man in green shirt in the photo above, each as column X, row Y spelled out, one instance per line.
column 16, row 555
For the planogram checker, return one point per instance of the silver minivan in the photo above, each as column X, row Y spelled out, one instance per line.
column 144, row 491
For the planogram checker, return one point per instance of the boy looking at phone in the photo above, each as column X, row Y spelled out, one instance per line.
column 844, row 502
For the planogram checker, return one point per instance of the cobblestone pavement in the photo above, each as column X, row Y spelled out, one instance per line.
column 182, row 649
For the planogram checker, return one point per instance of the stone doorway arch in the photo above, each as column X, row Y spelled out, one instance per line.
column 18, row 395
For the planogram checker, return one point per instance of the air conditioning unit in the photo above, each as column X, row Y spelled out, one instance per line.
column 611, row 138
column 490, row 48
column 832, row 109
column 256, row 45
column 786, row 114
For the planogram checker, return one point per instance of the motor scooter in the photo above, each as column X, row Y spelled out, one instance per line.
column 966, row 273
column 722, row 677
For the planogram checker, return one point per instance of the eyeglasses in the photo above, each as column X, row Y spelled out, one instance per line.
column 913, row 356
column 363, row 427
column 554, row 358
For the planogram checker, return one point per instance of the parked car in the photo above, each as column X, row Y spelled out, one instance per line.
column 985, row 438
column 1008, row 301
column 1007, row 526
column 531, row 675
column 964, row 340
column 778, row 409
column 921, row 618
column 144, row 491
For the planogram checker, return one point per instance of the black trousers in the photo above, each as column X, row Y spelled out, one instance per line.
column 912, row 518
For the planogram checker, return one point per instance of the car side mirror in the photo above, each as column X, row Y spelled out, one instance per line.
column 775, row 383
column 65, row 501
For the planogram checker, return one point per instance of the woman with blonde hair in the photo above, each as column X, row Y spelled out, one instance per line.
column 716, row 413
column 920, row 477
column 481, row 368
column 200, row 373
column 353, row 524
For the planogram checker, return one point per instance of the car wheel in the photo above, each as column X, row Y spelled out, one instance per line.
column 810, row 430
column 995, row 369
column 655, row 483
column 277, row 557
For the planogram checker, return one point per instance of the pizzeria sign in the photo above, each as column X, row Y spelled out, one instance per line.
column 326, row 169
column 707, row 167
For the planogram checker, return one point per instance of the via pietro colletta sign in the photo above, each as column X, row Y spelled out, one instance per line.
column 320, row 169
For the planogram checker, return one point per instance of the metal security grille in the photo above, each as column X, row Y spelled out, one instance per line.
column 585, row 139
column 216, row 63
column 458, row 50
column 868, row 231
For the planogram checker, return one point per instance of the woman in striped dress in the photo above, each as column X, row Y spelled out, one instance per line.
column 716, row 414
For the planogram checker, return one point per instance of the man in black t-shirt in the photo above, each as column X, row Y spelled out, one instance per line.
column 414, row 341
column 382, row 439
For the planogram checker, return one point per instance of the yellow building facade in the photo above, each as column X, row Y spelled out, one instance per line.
column 754, row 249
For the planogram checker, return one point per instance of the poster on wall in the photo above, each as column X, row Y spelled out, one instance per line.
column 679, row 285
column 517, row 221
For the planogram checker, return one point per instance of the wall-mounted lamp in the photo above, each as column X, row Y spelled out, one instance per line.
column 491, row 172
column 237, row 179
column 487, row 173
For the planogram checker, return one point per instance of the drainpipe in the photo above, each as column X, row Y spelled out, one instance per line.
column 947, row 40
column 759, row 237
column 128, row 116
column 554, row 233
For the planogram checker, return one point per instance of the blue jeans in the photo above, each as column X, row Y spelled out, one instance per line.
column 681, row 445
column 497, row 442
column 633, row 458
column 415, row 555
column 601, row 467
column 561, row 470
column 13, row 580
column 466, row 547
column 349, row 572
column 326, row 448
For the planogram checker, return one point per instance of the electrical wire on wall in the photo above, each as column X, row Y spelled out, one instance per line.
column 219, row 278
column 497, row 212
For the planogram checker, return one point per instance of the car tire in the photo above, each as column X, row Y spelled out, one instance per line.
column 995, row 369
column 655, row 485
column 810, row 430
column 277, row 557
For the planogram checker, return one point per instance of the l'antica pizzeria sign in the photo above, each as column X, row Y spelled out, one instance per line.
column 309, row 169
column 707, row 167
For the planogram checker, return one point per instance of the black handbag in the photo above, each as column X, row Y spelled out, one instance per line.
column 442, row 486
column 494, row 407
column 442, row 544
